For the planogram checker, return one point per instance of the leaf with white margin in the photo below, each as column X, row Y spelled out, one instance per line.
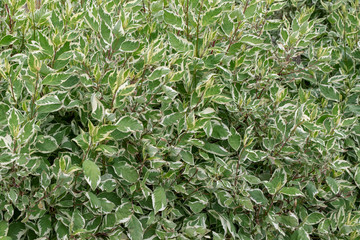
column 136, row 230
column 159, row 199
column 92, row 173
column 46, row 144
column 55, row 79
column 97, row 108
column 48, row 104
column 158, row 73
column 123, row 213
column 178, row 43
column 129, row 124
column 291, row 191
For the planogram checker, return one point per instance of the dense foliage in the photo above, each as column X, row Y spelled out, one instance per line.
column 184, row 119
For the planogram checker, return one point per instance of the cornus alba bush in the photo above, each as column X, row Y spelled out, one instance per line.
column 184, row 119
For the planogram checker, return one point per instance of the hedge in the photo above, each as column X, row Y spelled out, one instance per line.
column 184, row 119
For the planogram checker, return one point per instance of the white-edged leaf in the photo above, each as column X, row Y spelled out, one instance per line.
column 173, row 20
column 136, row 230
column 48, row 104
column 55, row 79
column 129, row 46
column 159, row 199
column 97, row 108
column 44, row 225
column 178, row 43
column 333, row 184
column 314, row 218
column 92, row 173
column 291, row 191
column 251, row 40
column 158, row 73
column 129, row 124
column 46, row 144
column 258, row 196
column 123, row 213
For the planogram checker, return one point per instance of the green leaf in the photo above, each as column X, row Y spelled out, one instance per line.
column 334, row 186
column 329, row 92
column 252, row 179
column 48, row 104
column 258, row 196
column 217, row 130
column 276, row 6
column 4, row 226
column 3, row 118
column 125, row 90
column 45, row 44
column 158, row 73
column 77, row 221
column 187, row 157
column 105, row 32
column 55, row 79
column 279, row 178
column 178, row 43
column 246, row 203
column 250, row 10
column 215, row 149
column 98, row 110
column 211, row 15
column 213, row 91
column 256, row 155
column 136, row 230
column 129, row 46
column 92, row 173
column 106, row 205
column 129, row 124
column 126, row 171
column 251, row 40
column 64, row 56
column 357, row 177
column 289, row 221
column 16, row 230
column 46, row 144
column 227, row 25
column 158, row 198
column 94, row 201
column 234, row 139
column 14, row 121
column 271, row 25
column 7, row 40
column 300, row 234
column 172, row 118
column 44, row 225
column 291, row 191
column 173, row 20
column 314, row 218
column 123, row 213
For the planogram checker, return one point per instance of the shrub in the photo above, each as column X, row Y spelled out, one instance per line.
column 179, row 119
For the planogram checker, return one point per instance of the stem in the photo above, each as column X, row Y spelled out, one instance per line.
column 12, row 91
column 187, row 19
column 231, row 38
column 143, row 3
column 271, row 203
column 197, row 30
column 287, row 139
column 53, row 60
column 34, row 96
column 10, row 20
column 149, row 10
column 238, row 165
column 33, row 18
column 112, row 102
